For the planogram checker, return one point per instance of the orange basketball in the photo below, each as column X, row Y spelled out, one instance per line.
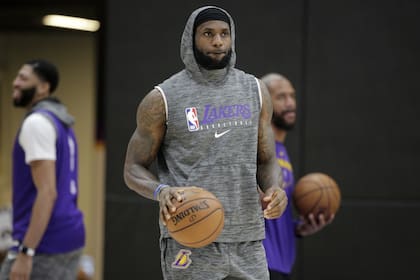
column 198, row 220
column 317, row 193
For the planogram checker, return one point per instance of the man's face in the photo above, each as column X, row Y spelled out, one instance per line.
column 25, row 86
column 283, row 96
column 213, row 42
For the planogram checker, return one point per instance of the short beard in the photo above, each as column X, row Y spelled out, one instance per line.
column 26, row 96
column 279, row 122
column 209, row 63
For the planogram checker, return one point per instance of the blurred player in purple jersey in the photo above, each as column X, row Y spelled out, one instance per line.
column 48, row 227
column 281, row 233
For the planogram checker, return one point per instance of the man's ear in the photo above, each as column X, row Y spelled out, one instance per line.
column 44, row 87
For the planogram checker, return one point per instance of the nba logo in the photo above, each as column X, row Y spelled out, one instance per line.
column 192, row 119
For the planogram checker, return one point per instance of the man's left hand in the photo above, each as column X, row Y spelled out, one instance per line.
column 276, row 200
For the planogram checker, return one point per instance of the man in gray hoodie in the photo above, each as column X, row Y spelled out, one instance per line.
column 209, row 125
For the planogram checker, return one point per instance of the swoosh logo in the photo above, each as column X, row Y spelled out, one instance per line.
column 218, row 135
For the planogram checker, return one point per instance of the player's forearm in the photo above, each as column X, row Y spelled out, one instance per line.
column 40, row 218
column 140, row 180
column 269, row 175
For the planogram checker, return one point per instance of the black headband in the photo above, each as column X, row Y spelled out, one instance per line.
column 211, row 14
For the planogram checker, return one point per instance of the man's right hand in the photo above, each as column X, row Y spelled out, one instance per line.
column 21, row 268
column 167, row 198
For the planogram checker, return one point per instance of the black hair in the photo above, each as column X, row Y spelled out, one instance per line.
column 46, row 71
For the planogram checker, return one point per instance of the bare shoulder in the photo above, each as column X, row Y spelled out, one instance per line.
column 151, row 110
column 266, row 106
column 151, row 125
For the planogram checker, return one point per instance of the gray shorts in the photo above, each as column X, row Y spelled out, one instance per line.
column 244, row 260
column 47, row 266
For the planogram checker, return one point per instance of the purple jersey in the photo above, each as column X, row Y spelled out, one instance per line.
column 65, row 231
column 280, row 241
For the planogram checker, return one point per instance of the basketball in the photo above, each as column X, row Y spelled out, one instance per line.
column 198, row 219
column 317, row 193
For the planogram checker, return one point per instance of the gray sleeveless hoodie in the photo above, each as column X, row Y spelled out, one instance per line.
column 211, row 138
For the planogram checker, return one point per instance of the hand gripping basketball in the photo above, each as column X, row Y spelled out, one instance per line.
column 198, row 218
column 317, row 193
column 167, row 198
column 311, row 224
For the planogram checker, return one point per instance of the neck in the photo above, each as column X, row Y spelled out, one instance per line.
column 37, row 101
column 279, row 134
column 214, row 76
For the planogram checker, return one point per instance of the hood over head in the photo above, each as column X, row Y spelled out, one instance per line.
column 187, row 50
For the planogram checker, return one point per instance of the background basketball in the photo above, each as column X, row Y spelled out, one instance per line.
column 317, row 193
column 198, row 220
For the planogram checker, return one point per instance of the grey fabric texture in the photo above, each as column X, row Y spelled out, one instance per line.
column 244, row 260
column 220, row 155
column 47, row 266
column 53, row 105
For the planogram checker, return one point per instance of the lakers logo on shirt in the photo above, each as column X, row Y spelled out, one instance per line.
column 182, row 259
column 218, row 116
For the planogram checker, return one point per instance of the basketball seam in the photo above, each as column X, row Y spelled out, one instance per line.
column 320, row 187
column 202, row 218
column 319, row 199
column 328, row 188
column 208, row 236
column 311, row 191
column 186, row 200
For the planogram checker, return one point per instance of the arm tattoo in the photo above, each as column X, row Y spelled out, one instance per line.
column 151, row 126
column 268, row 173
column 145, row 144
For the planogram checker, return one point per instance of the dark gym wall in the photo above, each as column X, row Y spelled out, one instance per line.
column 354, row 65
column 361, row 126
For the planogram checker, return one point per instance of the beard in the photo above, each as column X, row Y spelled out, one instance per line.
column 209, row 63
column 26, row 96
column 279, row 121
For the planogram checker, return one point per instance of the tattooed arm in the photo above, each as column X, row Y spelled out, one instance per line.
column 142, row 151
column 144, row 145
column 269, row 173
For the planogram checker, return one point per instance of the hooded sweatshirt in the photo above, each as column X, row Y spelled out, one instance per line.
column 212, row 137
column 65, row 231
